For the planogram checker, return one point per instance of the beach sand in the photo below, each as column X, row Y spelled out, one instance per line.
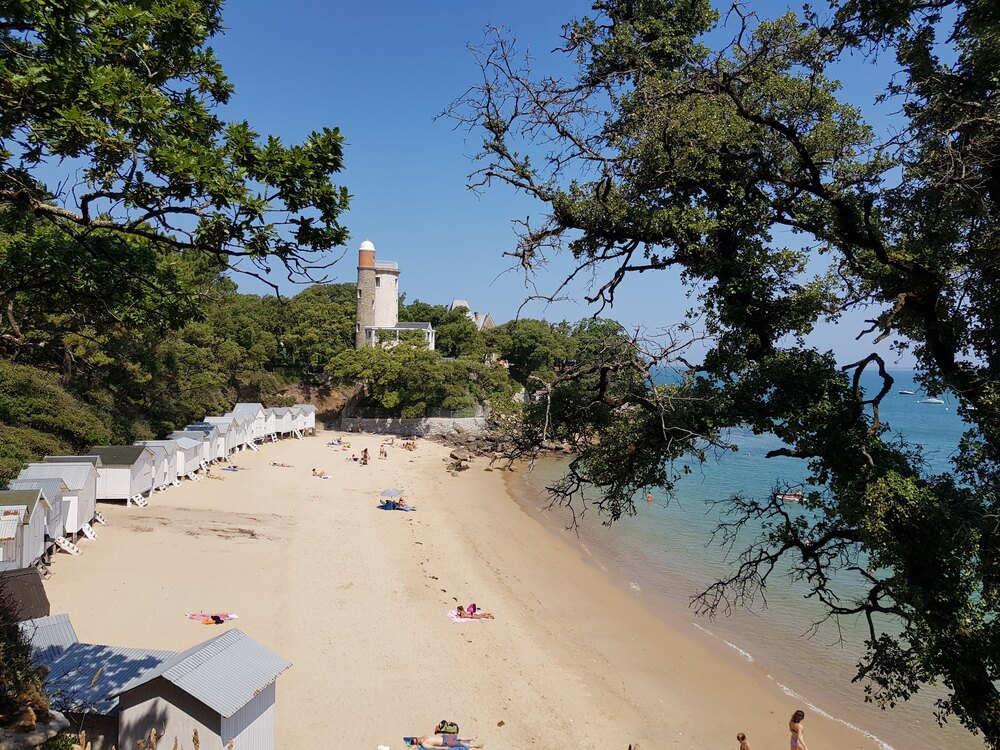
column 356, row 598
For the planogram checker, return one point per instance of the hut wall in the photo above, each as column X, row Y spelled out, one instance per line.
column 141, row 476
column 113, row 483
column 252, row 727
column 173, row 713
column 71, row 513
column 102, row 731
column 34, row 535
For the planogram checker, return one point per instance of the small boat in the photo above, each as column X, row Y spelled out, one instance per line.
column 931, row 401
column 907, row 393
column 791, row 497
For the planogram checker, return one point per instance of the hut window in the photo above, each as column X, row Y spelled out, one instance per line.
column 378, row 281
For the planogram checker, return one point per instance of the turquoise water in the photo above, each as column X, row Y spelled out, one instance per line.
column 661, row 554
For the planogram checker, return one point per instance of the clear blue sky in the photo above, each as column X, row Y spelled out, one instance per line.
column 381, row 71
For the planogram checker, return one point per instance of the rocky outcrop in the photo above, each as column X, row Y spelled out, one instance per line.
column 39, row 735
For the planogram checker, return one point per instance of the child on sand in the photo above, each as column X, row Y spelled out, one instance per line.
column 742, row 739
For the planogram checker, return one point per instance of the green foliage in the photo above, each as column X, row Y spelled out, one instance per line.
column 130, row 92
column 319, row 324
column 457, row 336
column 409, row 379
column 666, row 155
column 532, row 348
column 20, row 683
column 60, row 742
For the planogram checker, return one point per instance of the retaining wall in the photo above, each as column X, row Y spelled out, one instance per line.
column 424, row 426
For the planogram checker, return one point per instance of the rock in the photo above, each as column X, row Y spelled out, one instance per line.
column 460, row 454
column 10, row 740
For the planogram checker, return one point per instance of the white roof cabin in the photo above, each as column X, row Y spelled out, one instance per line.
column 159, row 464
column 298, row 418
column 79, row 474
column 309, row 410
column 270, row 424
column 213, row 442
column 189, row 452
column 126, row 471
column 244, row 428
column 255, row 412
column 227, row 426
column 54, row 490
column 169, row 467
column 223, row 688
column 283, row 420
column 23, row 518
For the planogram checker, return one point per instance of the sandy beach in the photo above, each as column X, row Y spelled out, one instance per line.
column 356, row 598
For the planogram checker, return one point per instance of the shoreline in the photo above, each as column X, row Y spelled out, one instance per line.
column 356, row 599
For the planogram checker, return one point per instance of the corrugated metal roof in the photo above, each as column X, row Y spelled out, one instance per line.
column 95, row 460
column 52, row 487
column 75, row 475
column 49, row 636
column 26, row 592
column 248, row 408
column 308, row 408
column 204, row 428
column 169, row 445
column 279, row 411
column 187, row 443
column 19, row 497
column 10, row 519
column 118, row 455
column 224, row 673
column 87, row 677
column 222, row 424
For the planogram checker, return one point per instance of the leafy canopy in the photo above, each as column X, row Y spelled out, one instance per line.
column 126, row 95
column 665, row 154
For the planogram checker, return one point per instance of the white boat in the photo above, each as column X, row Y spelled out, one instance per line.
column 931, row 401
column 907, row 393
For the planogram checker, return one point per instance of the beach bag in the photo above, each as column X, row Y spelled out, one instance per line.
column 446, row 727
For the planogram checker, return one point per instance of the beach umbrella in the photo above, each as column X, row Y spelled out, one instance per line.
column 392, row 492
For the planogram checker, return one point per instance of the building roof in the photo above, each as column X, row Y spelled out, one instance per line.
column 248, row 408
column 185, row 443
column 402, row 327
column 159, row 451
column 457, row 303
column 87, row 677
column 23, row 586
column 49, row 636
column 280, row 411
column 307, row 408
column 169, row 444
column 29, row 498
column 75, row 475
column 202, row 428
column 95, row 460
column 367, row 245
column 224, row 673
column 11, row 517
column 119, row 455
column 53, row 488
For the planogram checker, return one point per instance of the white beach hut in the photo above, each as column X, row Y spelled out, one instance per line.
column 223, row 688
column 79, row 504
column 298, row 421
column 23, row 519
column 227, row 427
column 270, row 425
column 169, row 448
column 283, row 422
column 244, row 429
column 309, row 413
column 213, row 441
column 159, row 464
column 55, row 489
column 126, row 473
column 189, row 456
column 255, row 413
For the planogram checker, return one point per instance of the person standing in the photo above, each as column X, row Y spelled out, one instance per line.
column 795, row 727
column 742, row 739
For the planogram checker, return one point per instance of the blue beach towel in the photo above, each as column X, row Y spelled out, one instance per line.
column 390, row 506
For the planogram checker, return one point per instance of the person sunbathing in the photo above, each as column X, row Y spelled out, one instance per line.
column 472, row 613
column 320, row 474
column 278, row 463
column 442, row 740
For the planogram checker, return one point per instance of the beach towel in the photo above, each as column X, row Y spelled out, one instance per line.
column 209, row 618
column 389, row 506
column 453, row 616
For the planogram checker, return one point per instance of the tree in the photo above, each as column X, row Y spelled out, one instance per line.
column 129, row 92
column 457, row 336
column 531, row 348
column 662, row 154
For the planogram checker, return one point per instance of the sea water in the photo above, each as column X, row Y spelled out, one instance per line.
column 664, row 555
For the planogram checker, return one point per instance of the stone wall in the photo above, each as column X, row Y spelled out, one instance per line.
column 425, row 426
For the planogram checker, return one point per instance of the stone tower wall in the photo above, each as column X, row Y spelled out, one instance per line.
column 366, row 295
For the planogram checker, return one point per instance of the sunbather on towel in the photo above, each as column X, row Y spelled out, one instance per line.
column 282, row 465
column 442, row 740
column 466, row 614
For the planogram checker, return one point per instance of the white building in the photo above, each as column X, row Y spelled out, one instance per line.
column 378, row 303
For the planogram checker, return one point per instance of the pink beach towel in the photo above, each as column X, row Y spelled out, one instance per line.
column 453, row 616
column 224, row 616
